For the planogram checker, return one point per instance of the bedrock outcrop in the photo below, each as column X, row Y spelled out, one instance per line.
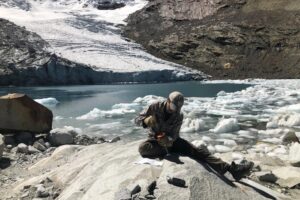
column 223, row 38
column 105, row 171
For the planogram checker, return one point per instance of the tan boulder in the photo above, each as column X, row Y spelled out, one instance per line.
column 18, row 112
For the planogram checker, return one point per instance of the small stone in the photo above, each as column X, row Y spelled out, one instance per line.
column 61, row 136
column 47, row 145
column 22, row 148
column 151, row 187
column 46, row 180
column 26, row 194
column 136, row 189
column 39, row 145
column 32, row 150
column 25, row 187
column 290, row 137
column 114, row 139
column 41, row 191
column 266, row 176
column 9, row 146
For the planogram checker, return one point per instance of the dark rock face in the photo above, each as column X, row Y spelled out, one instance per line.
column 107, row 5
column 25, row 61
column 223, row 38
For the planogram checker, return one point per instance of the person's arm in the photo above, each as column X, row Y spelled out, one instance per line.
column 147, row 116
column 174, row 133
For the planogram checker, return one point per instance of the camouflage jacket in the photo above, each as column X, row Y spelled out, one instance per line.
column 167, row 123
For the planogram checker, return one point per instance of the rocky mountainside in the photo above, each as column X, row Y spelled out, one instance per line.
column 223, row 38
column 24, row 61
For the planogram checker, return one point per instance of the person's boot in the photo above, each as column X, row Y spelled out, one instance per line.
column 242, row 170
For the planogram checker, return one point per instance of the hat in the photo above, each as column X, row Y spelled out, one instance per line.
column 176, row 100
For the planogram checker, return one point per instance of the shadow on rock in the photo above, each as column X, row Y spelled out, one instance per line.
column 174, row 158
column 4, row 163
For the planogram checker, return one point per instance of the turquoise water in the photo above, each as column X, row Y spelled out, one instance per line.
column 76, row 101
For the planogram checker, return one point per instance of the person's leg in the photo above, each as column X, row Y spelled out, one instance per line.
column 151, row 149
column 201, row 154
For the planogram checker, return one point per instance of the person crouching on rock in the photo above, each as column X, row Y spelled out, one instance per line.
column 164, row 120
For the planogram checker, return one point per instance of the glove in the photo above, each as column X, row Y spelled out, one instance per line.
column 150, row 121
column 165, row 141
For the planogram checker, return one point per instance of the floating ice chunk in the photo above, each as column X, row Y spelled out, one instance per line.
column 247, row 134
column 278, row 131
column 227, row 136
column 226, row 126
column 97, row 113
column 280, row 150
column 206, row 139
column 198, row 143
column 127, row 106
column 56, row 118
column 289, row 120
column 149, row 99
column 222, row 149
column 211, row 148
column 192, row 125
column 223, row 112
column 92, row 115
column 237, row 156
column 98, row 127
column 272, row 140
column 72, row 130
column 290, row 108
column 272, row 125
column 221, row 93
column 230, row 143
column 49, row 102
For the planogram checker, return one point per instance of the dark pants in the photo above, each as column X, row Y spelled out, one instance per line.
column 151, row 149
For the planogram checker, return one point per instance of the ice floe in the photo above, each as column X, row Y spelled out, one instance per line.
column 49, row 102
column 226, row 126
column 97, row 113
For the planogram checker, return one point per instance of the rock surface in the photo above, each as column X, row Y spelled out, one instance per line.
column 61, row 136
column 2, row 145
column 294, row 154
column 19, row 113
column 102, row 171
column 226, row 39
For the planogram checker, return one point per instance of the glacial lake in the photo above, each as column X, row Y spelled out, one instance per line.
column 74, row 101
column 222, row 114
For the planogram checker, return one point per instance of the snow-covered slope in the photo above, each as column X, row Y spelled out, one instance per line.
column 78, row 31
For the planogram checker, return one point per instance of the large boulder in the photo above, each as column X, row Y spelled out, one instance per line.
column 105, row 170
column 2, row 145
column 19, row 113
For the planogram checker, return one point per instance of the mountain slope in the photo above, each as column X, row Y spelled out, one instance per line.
column 223, row 38
column 25, row 60
column 54, row 42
